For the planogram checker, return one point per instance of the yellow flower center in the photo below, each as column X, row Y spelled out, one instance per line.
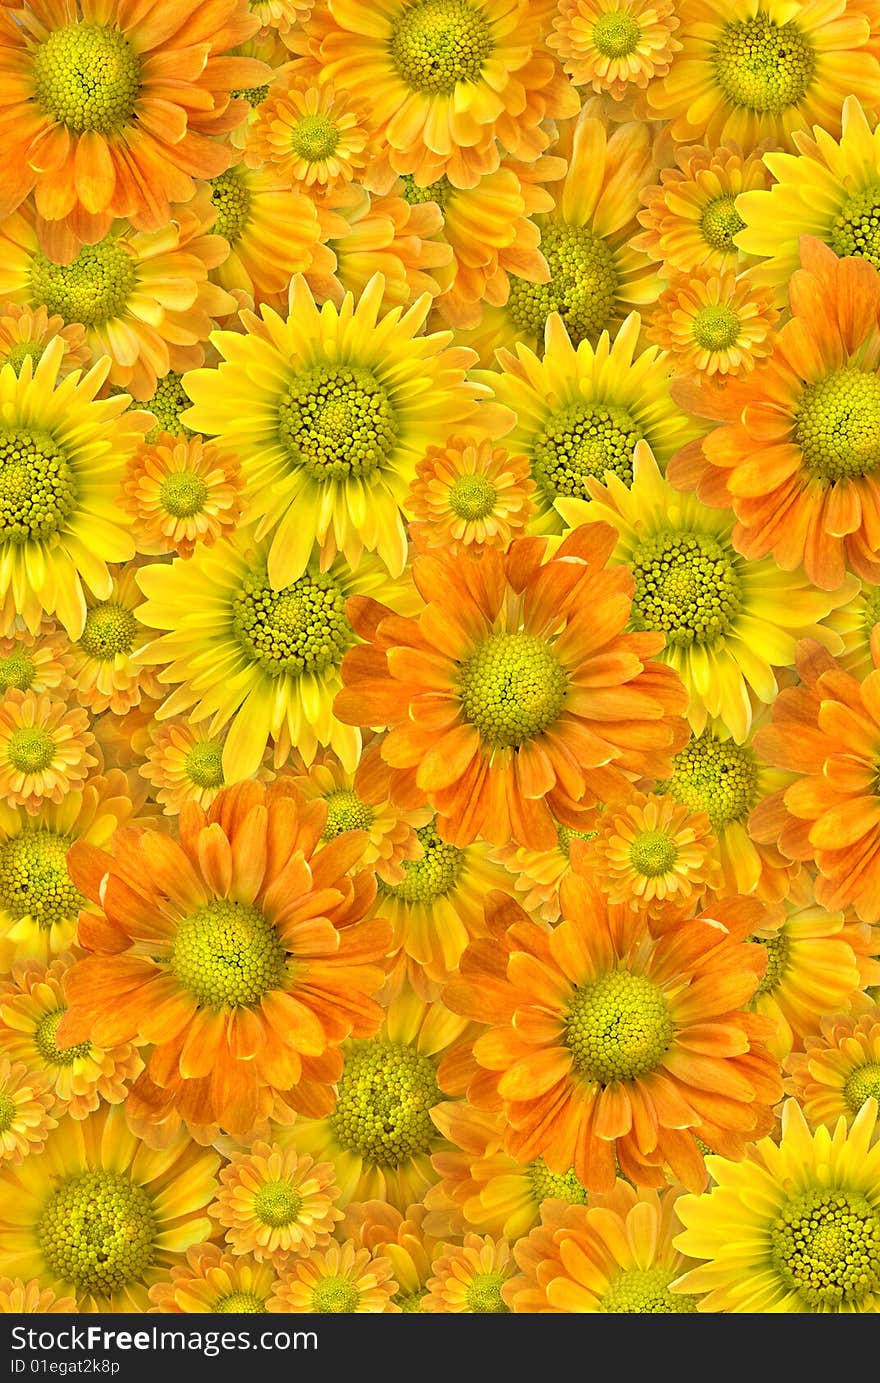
column 652, row 853
column 583, row 284
column 228, row 954
column 346, row 812
column 93, row 289
column 825, row 1245
column 837, row 425
column 778, row 948
column 384, row 1098
column 22, row 351
column 34, row 881
column 716, row 327
column 512, row 689
column 88, row 77
column 763, row 66
column 565, row 835
column 856, row 229
column 240, row 1303
column 720, row 222
column 862, row 1084
column 277, row 1204
column 483, row 1294
column 166, row 405
column 254, row 95
column 583, row 440
column 717, row 777
column 231, row 197
column 204, row 764
column 17, row 670
column 337, row 421
column 435, row 44
column 45, row 1041
column 37, row 486
column 182, row 494
column 618, row 1028
column 556, row 1186
column 314, row 138
column 616, row 34
column 300, row 629
column 645, row 1292
column 871, row 616
column 472, row 497
column 434, row 875
column 335, row 1296
column 686, row 586
column 98, row 1232
column 110, row 629
column 31, row 749
column 8, row 1111
column 440, row 191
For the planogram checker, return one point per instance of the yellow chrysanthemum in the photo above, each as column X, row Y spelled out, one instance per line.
column 339, row 1280
column 714, row 324
column 615, row 45
column 17, row 1297
column 795, row 1227
column 181, row 492
column 26, row 331
column 37, row 662
column 467, row 1280
column 27, row 1106
column 105, row 669
column 44, row 749
column 274, row 1203
column 839, row 1067
column 214, row 1282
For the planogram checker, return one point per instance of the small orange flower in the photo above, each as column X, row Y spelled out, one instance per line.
column 37, row 662
column 271, row 231
column 339, row 1280
column 311, row 133
column 469, row 1280
column 26, row 331
column 44, row 749
column 217, row 1282
column 366, row 234
column 275, row 1203
column 105, row 669
column 184, row 764
column 469, row 494
column 615, row 45
column 182, row 491
column 839, row 1068
column 27, row 1106
column 714, row 324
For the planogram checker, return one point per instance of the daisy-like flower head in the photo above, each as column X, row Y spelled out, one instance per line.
column 182, row 492
column 338, row 1280
column 117, row 110
column 796, row 455
column 692, row 216
column 211, row 1281
column 514, row 697
column 403, row 1240
column 610, row 1049
column 37, row 662
column 25, row 332
column 715, row 324
column 18, row 1296
column 275, row 1203
column 105, row 668
column 727, row 622
column 839, row 1067
column 615, row 1257
column 270, row 229
column 100, row 1216
column 143, row 297
column 312, row 133
column 754, row 70
column 32, row 1004
column 616, row 46
column 538, row 874
column 44, row 749
column 346, row 404
column 184, row 763
column 239, row 952
column 795, row 1228
column 62, row 456
column 27, row 1106
column 273, row 654
column 468, row 1280
column 448, row 82
column 581, row 412
column 469, row 494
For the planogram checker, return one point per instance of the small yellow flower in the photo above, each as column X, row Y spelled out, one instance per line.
column 615, row 45
column 839, row 1068
column 105, row 669
column 27, row 1106
column 26, row 331
column 184, row 763
column 468, row 1280
column 311, row 133
column 44, row 749
column 18, row 1296
column 37, row 662
column 211, row 1281
column 275, row 1203
column 339, row 1280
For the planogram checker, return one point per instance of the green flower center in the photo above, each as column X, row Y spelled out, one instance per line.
column 583, row 440
column 346, row 812
column 182, row 494
column 565, row 835
column 93, row 289
column 98, row 1232
column 435, row 44
column 686, row 587
column 204, row 764
column 645, row 1292
column 231, row 198
column 763, row 66
column 555, row 1186
column 440, row 191
column 31, row 749
column 410, row 1302
column 22, row 351
column 166, row 406
column 314, row 138
column 512, row 689
column 246, row 1303
column 856, row 230
column 483, row 1294
column 778, row 948
column 720, row 222
column 432, row 876
column 616, row 34
column 717, row 777
column 716, row 327
column 618, row 1028
column 384, row 1098
column 37, row 487
column 862, row 1084
column 110, row 629
column 472, row 497
column 583, row 284
column 300, row 629
column 652, row 853
column 34, row 881
column 88, row 77
column 336, row 422
column 837, row 425
column 825, row 1244
column 17, row 671
column 45, row 1041
column 8, row 1110
column 228, row 954
column 335, row 1296
column 277, row 1204
column 254, row 95
column 871, row 616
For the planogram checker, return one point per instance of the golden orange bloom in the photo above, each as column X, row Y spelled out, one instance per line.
column 467, row 1280
column 516, row 696
column 105, row 668
column 17, row 1296
column 839, row 1068
column 537, row 874
column 116, row 109
column 714, row 324
column 469, row 494
column 403, row 1239
column 239, row 952
column 182, row 491
column 217, row 1282
column 26, row 331
column 44, row 749
column 184, row 763
column 27, row 1106
column 339, row 1280
column 271, row 230
column 312, row 133
column 615, row 45
column 610, row 1049
column 274, row 1203
column 38, row 661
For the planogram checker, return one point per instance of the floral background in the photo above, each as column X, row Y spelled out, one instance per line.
column 439, row 599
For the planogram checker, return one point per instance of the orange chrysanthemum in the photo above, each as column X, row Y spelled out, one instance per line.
column 615, row 45
column 272, row 232
column 274, row 1203
column 17, row 1296
column 44, row 749
column 26, row 331
column 312, row 133
column 839, row 1068
column 467, row 1280
column 38, row 662
column 181, row 492
column 239, row 952
column 537, row 874
column 216, row 1282
column 469, row 494
column 714, row 324
column 27, row 1109
column 105, row 668
column 184, row 763
column 339, row 1280
column 516, row 696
